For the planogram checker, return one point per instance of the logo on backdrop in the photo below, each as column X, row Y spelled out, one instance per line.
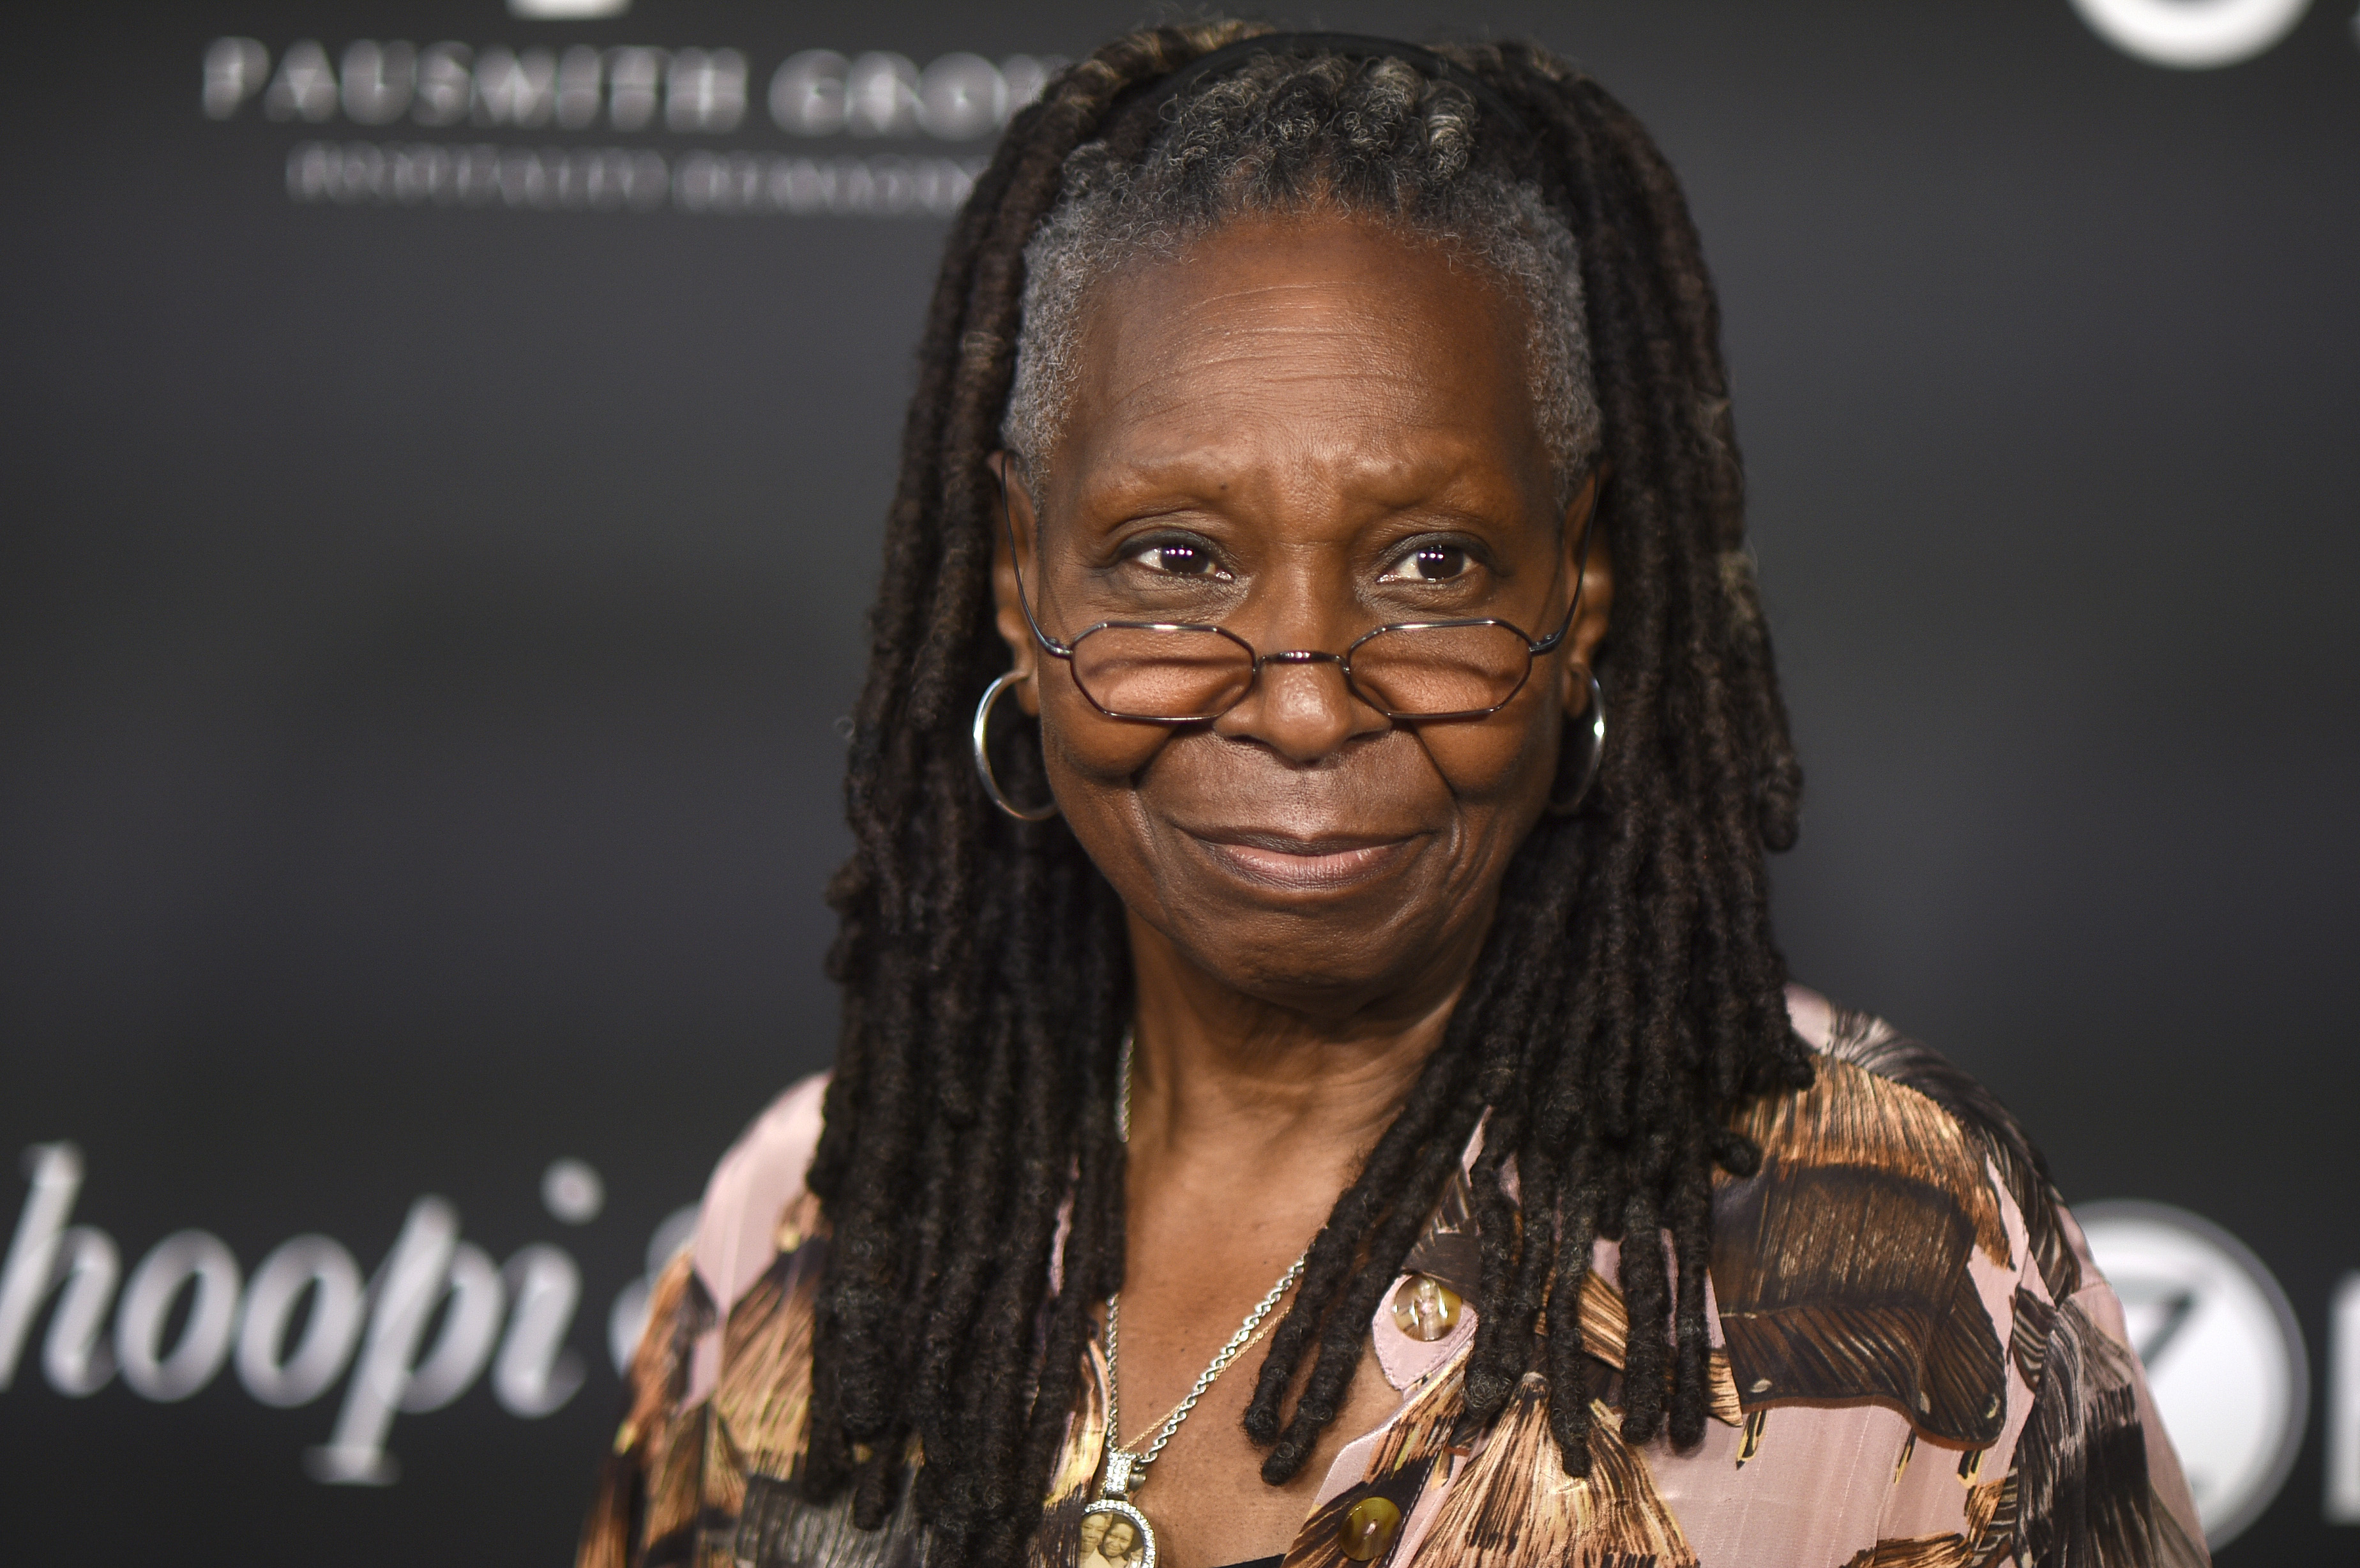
column 453, row 89
column 2192, row 35
column 307, row 1316
column 2223, row 1353
column 567, row 10
column 2344, row 1405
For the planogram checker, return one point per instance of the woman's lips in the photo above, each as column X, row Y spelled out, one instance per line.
column 1299, row 865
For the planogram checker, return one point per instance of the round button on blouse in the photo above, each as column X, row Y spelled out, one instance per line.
column 1424, row 1308
column 1368, row 1529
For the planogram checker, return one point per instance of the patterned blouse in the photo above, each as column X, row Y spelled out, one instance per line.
column 1915, row 1365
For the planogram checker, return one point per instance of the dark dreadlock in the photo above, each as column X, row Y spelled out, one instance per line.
column 1627, row 1000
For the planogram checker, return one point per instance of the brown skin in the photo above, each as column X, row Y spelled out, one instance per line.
column 1264, row 434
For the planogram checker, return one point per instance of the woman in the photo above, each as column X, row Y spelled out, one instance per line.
column 1318, row 1079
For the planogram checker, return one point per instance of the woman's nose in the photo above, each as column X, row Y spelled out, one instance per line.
column 1302, row 708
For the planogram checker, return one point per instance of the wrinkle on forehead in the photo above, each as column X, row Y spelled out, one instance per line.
column 1339, row 343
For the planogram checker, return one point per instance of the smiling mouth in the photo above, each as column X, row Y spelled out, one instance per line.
column 1302, row 865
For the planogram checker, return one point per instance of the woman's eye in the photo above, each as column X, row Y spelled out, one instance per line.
column 1179, row 560
column 1432, row 564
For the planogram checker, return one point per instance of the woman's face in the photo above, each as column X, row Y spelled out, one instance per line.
column 1303, row 429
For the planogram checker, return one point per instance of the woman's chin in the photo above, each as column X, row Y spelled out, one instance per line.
column 1327, row 953
column 1358, row 984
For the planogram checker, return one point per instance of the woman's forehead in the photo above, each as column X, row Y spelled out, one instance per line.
column 1304, row 338
column 1267, row 289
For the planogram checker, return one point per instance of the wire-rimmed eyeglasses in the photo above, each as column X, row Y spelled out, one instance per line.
column 1189, row 672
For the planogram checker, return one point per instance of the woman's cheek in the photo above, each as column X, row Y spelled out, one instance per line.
column 1504, row 755
column 1077, row 739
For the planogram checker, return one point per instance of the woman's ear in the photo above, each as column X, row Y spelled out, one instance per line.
column 1015, row 535
column 1596, row 575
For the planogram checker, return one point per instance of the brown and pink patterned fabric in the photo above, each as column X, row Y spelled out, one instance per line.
column 1914, row 1362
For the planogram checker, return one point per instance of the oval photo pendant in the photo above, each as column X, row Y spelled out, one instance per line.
column 1113, row 1534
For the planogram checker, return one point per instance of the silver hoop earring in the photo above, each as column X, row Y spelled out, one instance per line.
column 1597, row 751
column 983, row 756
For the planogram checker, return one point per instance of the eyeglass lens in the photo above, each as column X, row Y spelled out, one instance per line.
column 1199, row 673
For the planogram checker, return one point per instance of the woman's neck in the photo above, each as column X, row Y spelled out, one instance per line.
column 1223, row 1078
column 1247, row 1119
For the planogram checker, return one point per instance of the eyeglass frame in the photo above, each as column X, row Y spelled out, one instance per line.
column 1065, row 650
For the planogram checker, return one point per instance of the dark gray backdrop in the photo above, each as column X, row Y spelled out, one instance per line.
column 421, row 629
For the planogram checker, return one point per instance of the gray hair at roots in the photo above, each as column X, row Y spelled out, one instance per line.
column 1366, row 137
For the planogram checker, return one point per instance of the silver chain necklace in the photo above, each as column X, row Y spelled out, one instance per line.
column 1114, row 1533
